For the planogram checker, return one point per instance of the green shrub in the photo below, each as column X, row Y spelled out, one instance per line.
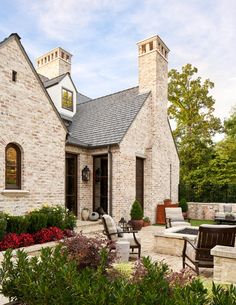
column 37, row 221
column 136, row 212
column 59, row 216
column 69, row 220
column 183, row 204
column 54, row 279
column 17, row 224
column 3, row 225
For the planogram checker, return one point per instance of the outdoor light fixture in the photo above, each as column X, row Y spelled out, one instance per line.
column 86, row 173
column 122, row 223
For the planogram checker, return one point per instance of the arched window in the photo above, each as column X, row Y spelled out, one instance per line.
column 13, row 167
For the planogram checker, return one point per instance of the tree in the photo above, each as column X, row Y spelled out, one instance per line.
column 224, row 163
column 192, row 107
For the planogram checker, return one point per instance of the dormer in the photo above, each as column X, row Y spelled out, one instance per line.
column 63, row 93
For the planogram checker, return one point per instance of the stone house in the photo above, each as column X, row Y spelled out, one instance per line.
column 117, row 147
column 32, row 135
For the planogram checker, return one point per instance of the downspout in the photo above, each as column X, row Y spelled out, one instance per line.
column 110, row 180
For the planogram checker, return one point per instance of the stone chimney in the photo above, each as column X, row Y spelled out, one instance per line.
column 54, row 63
column 153, row 72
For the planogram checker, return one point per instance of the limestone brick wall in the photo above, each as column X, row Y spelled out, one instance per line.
column 200, row 210
column 28, row 119
column 136, row 143
column 153, row 76
column 224, row 264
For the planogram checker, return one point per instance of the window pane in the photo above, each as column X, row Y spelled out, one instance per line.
column 67, row 99
column 12, row 167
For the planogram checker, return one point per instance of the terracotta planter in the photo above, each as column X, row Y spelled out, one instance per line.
column 136, row 224
column 146, row 223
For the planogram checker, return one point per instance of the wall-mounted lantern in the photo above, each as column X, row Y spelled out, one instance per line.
column 86, row 173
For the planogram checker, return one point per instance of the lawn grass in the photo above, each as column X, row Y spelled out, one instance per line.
column 198, row 222
column 195, row 222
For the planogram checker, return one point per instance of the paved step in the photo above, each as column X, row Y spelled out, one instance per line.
column 89, row 226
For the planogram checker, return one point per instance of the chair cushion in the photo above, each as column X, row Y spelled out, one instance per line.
column 174, row 213
column 129, row 237
column 220, row 214
column 227, row 208
column 111, row 226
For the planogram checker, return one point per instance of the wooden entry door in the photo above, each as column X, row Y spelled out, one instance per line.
column 140, row 180
column 71, row 183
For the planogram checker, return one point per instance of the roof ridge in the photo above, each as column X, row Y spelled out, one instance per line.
column 64, row 74
column 100, row 97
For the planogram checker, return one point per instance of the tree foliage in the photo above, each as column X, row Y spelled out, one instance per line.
column 224, row 163
column 192, row 107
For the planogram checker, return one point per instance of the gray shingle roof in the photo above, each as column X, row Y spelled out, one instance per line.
column 43, row 78
column 53, row 81
column 105, row 121
column 81, row 98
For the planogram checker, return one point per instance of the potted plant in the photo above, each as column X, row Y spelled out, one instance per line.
column 136, row 214
column 184, row 206
column 146, row 221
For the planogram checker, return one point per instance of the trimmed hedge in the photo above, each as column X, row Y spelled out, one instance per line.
column 45, row 217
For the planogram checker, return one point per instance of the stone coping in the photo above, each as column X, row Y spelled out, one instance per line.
column 224, row 251
column 32, row 249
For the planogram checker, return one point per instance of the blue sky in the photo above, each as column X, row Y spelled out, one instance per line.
column 102, row 36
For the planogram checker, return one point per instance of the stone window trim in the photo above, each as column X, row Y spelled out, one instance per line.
column 69, row 108
column 13, row 167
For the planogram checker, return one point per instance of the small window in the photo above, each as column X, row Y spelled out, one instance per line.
column 67, row 57
column 48, row 57
column 56, row 54
column 62, row 54
column 151, row 45
column 45, row 60
column 14, row 73
column 67, row 99
column 52, row 56
column 13, row 167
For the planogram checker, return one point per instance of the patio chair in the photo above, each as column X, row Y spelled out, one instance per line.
column 117, row 234
column 197, row 254
column 174, row 217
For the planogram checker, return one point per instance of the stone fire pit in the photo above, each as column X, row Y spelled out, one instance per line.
column 171, row 241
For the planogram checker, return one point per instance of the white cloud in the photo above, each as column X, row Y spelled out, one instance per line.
column 102, row 36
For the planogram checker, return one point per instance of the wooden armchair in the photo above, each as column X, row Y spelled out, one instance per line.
column 113, row 234
column 174, row 217
column 197, row 254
